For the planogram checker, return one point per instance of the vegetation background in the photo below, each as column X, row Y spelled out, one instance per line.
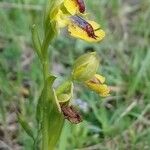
column 119, row 122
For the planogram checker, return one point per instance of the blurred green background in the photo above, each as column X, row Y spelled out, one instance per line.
column 118, row 122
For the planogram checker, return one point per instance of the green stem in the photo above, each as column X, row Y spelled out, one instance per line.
column 45, row 70
column 48, row 142
column 52, row 120
column 45, row 65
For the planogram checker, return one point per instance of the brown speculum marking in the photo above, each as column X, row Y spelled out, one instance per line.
column 71, row 114
column 86, row 26
column 81, row 5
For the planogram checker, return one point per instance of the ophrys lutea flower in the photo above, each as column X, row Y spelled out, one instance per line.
column 63, row 97
column 69, row 15
column 84, row 71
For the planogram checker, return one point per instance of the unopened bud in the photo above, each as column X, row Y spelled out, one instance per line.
column 85, row 67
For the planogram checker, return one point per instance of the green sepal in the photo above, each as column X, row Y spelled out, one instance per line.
column 65, row 92
column 85, row 67
column 64, row 98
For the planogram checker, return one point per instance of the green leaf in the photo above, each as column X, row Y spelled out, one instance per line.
column 38, row 109
column 50, row 80
column 26, row 126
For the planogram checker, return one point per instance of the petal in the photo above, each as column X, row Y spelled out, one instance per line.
column 61, row 19
column 100, row 78
column 71, row 6
column 78, row 32
column 104, row 90
column 101, row 89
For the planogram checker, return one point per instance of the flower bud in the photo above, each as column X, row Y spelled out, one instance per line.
column 85, row 67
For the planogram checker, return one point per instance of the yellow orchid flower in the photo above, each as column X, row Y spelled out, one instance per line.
column 78, row 27
column 97, row 84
